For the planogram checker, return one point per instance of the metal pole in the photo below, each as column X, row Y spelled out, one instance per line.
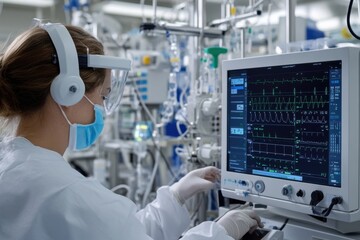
column 201, row 13
column 236, row 18
column 154, row 10
column 223, row 9
column 242, row 42
column 189, row 31
column 228, row 10
column 39, row 13
column 113, row 170
column 290, row 21
column 193, row 59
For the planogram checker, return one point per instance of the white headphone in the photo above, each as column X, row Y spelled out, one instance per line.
column 67, row 88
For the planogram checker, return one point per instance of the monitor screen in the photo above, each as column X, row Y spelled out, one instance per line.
column 284, row 122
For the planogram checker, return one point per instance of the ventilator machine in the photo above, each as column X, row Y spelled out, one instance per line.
column 290, row 136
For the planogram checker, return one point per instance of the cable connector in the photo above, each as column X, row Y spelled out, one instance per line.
column 334, row 201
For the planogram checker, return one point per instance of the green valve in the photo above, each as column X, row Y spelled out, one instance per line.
column 203, row 60
column 215, row 52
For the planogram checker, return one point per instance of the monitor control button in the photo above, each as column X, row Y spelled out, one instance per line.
column 316, row 197
column 259, row 186
column 300, row 193
column 287, row 190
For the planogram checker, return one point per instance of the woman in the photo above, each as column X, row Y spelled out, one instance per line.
column 41, row 196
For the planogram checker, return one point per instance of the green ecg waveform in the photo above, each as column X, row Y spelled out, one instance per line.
column 286, row 103
column 286, row 81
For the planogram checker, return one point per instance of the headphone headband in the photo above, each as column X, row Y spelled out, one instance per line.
column 67, row 88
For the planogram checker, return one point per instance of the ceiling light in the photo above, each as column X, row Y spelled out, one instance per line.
column 31, row 3
column 329, row 24
column 135, row 10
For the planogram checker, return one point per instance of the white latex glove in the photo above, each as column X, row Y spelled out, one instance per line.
column 238, row 222
column 196, row 181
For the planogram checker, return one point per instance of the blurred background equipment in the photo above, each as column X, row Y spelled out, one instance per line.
column 171, row 118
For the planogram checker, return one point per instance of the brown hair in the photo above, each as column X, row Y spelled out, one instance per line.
column 27, row 69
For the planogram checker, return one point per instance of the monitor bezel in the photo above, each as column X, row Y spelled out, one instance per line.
column 272, row 196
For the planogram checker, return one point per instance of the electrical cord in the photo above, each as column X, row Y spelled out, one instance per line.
column 151, row 154
column 150, row 117
column 284, row 224
column 143, row 105
column 181, row 134
column 334, row 201
column 120, row 186
column 176, row 178
column 162, row 155
column 151, row 182
column 326, row 212
column 348, row 20
column 78, row 168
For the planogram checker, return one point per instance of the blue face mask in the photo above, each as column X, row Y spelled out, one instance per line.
column 83, row 136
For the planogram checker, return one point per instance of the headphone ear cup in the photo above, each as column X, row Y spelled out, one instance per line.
column 67, row 90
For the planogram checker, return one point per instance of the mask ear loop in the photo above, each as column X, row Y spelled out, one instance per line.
column 89, row 100
column 63, row 113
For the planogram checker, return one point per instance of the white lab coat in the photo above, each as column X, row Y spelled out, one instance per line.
column 42, row 197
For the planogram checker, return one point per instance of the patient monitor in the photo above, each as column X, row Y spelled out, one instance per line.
column 290, row 135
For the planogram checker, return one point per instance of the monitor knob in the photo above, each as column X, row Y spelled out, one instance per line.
column 259, row 186
column 316, row 197
column 300, row 193
column 287, row 190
